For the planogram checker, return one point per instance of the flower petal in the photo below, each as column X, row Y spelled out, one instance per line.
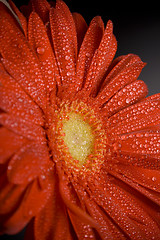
column 20, row 105
column 64, row 41
column 105, row 228
column 102, row 59
column 20, row 16
column 90, row 43
column 121, row 64
column 125, row 208
column 15, row 223
column 147, row 178
column 67, row 197
column 142, row 147
column 27, row 163
column 20, row 99
column 56, row 224
column 81, row 229
column 129, row 95
column 148, row 196
column 10, row 197
column 9, row 144
column 23, row 128
column 36, row 88
column 41, row 7
column 40, row 43
column 126, row 71
column 81, row 27
column 145, row 114
column 34, row 191
column 18, row 58
column 81, row 221
column 24, row 204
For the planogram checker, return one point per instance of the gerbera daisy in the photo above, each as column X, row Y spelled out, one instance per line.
column 80, row 141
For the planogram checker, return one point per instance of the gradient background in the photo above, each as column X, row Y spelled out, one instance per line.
column 137, row 29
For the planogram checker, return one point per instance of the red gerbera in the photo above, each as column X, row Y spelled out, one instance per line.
column 80, row 155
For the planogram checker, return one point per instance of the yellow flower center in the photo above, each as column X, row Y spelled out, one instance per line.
column 78, row 137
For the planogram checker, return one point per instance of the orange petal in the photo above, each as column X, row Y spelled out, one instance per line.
column 125, row 208
column 12, row 87
column 20, row 16
column 14, row 222
column 145, row 177
column 56, row 224
column 129, row 95
column 35, row 197
column 102, row 59
column 119, row 65
column 18, row 58
column 125, row 72
column 27, row 163
column 144, row 145
column 89, row 45
column 23, row 128
column 37, row 91
column 81, row 228
column 8, row 81
column 145, row 114
column 19, row 104
column 41, row 7
column 152, row 197
column 67, row 198
column 23, row 202
column 10, row 197
column 64, row 41
column 109, row 229
column 9, row 144
column 43, row 49
column 81, row 27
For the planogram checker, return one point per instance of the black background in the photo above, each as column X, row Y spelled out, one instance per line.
column 137, row 29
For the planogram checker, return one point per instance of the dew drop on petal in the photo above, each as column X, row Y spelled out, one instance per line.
column 153, row 179
column 40, row 50
column 127, row 100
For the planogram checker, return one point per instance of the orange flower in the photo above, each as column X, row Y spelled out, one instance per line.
column 80, row 155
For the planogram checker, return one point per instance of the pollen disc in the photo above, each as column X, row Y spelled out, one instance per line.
column 80, row 137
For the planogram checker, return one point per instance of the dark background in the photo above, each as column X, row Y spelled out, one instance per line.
column 137, row 29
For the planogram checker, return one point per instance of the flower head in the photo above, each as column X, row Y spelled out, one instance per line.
column 79, row 138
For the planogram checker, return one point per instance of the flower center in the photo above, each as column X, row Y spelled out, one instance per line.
column 78, row 137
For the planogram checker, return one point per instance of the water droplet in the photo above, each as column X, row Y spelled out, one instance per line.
column 40, row 50
column 49, row 71
column 127, row 100
column 43, row 177
column 67, row 57
column 9, row 167
column 21, row 75
column 153, row 179
column 20, row 99
column 30, row 212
